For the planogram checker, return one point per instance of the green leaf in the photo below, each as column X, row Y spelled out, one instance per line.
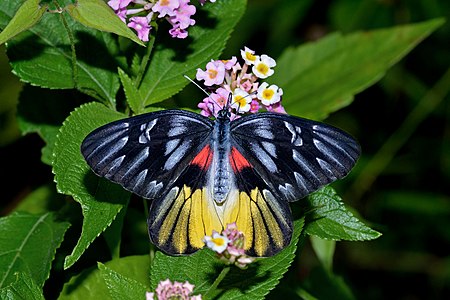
column 113, row 234
column 321, row 77
column 98, row 15
column 323, row 284
column 332, row 221
column 90, row 284
column 172, row 59
column 23, row 288
column 203, row 267
column 324, row 250
column 28, row 244
column 100, row 199
column 51, row 63
column 121, row 287
column 133, row 95
column 41, row 200
column 28, row 14
column 43, row 111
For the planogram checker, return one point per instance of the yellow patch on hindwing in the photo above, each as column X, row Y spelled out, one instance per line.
column 196, row 223
column 274, row 229
column 168, row 224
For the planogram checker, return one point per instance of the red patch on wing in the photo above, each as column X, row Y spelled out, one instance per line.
column 203, row 158
column 238, row 161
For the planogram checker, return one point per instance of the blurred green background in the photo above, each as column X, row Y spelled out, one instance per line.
column 401, row 184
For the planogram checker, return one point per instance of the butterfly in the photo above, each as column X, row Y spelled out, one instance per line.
column 202, row 174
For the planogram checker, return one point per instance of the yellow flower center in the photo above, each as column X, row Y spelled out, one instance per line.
column 268, row 94
column 164, row 2
column 212, row 73
column 262, row 68
column 240, row 100
column 219, row 241
column 250, row 56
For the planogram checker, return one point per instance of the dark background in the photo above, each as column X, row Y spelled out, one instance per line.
column 401, row 184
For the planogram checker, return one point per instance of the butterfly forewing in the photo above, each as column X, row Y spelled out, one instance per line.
column 294, row 156
column 147, row 153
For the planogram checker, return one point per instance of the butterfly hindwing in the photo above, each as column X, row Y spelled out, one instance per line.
column 265, row 220
column 292, row 155
column 180, row 219
column 146, row 153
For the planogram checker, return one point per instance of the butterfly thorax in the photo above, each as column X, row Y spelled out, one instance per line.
column 221, row 175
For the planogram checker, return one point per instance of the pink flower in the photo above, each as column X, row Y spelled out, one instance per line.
column 142, row 27
column 182, row 17
column 234, row 252
column 214, row 74
column 229, row 64
column 167, row 290
column 118, row 4
column 211, row 105
column 277, row 107
column 254, row 106
column 177, row 32
column 166, row 7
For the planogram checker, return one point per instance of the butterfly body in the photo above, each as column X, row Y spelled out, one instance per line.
column 202, row 174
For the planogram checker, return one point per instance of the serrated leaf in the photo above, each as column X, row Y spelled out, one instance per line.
column 28, row 244
column 100, row 199
column 133, row 95
column 321, row 77
column 28, row 14
column 51, row 64
column 121, row 287
column 172, row 59
column 43, row 111
column 98, row 15
column 90, row 283
column 332, row 221
column 23, row 288
column 203, row 267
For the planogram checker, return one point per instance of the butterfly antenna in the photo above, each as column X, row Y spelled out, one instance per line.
column 203, row 90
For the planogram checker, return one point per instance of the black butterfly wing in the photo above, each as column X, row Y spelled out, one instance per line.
column 294, row 156
column 147, row 153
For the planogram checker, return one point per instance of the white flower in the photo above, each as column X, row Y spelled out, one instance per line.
column 241, row 100
column 216, row 242
column 269, row 94
column 262, row 66
column 249, row 56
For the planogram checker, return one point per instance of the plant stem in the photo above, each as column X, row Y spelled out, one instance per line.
column 216, row 282
column 146, row 58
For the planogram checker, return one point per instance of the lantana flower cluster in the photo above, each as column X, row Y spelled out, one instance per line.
column 138, row 14
column 229, row 246
column 167, row 290
column 248, row 95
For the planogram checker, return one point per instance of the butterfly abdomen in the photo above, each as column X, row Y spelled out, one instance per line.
column 221, row 175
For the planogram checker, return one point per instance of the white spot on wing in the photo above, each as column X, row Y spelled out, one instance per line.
column 177, row 155
column 171, row 145
column 138, row 159
column 327, row 168
column 146, row 128
column 271, row 148
column 114, row 165
column 295, row 131
column 113, row 149
column 264, row 158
